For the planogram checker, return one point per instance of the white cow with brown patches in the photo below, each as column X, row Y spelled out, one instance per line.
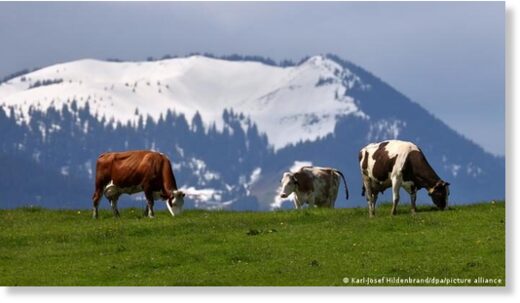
column 397, row 164
column 317, row 186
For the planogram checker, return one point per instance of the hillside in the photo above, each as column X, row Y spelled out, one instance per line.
column 308, row 247
column 231, row 127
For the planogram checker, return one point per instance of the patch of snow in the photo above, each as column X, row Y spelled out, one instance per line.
column 385, row 130
column 299, row 164
column 64, row 170
column 253, row 178
column 207, row 198
column 211, row 176
column 177, row 166
column 203, row 194
column 54, row 128
column 36, row 156
column 199, row 169
column 43, row 131
column 88, row 168
column 255, row 175
column 453, row 168
column 473, row 170
column 179, row 150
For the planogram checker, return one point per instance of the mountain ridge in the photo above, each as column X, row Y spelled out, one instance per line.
column 114, row 93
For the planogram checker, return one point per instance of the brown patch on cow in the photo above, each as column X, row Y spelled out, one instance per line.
column 412, row 160
column 329, row 175
column 304, row 181
column 327, row 178
column 364, row 165
column 417, row 169
column 383, row 163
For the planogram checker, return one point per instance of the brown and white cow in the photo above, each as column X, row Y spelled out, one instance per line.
column 131, row 172
column 317, row 186
column 397, row 164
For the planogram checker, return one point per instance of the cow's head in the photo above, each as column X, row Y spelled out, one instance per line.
column 439, row 194
column 175, row 202
column 289, row 184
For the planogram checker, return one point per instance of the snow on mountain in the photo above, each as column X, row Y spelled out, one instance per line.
column 289, row 104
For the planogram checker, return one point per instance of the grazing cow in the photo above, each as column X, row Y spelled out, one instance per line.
column 314, row 185
column 136, row 171
column 396, row 164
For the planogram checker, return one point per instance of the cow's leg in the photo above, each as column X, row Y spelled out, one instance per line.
column 333, row 196
column 396, row 185
column 149, row 200
column 373, row 197
column 113, row 203
column 413, row 198
column 312, row 201
column 297, row 202
column 333, row 193
column 95, row 201
column 371, row 200
column 412, row 191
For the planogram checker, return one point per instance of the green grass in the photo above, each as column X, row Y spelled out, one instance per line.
column 304, row 248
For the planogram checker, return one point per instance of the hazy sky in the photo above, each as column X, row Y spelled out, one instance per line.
column 447, row 56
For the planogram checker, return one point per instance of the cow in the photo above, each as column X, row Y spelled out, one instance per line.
column 396, row 164
column 317, row 186
column 131, row 172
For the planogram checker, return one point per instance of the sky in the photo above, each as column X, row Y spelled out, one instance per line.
column 447, row 56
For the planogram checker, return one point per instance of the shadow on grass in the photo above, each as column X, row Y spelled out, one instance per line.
column 386, row 207
column 31, row 208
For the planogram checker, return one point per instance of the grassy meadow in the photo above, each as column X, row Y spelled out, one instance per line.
column 310, row 247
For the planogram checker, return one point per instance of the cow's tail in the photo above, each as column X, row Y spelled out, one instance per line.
column 344, row 182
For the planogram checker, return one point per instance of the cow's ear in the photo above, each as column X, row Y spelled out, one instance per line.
column 446, row 183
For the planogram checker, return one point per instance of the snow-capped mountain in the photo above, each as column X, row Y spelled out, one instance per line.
column 289, row 104
column 230, row 127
